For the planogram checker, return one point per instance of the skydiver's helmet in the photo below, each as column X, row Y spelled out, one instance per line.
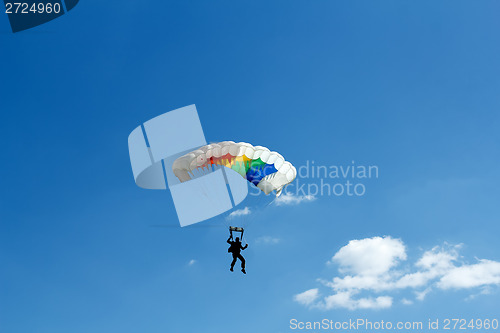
column 237, row 239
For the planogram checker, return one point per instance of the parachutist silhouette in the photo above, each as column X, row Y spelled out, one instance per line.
column 235, row 249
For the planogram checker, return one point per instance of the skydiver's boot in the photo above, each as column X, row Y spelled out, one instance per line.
column 243, row 270
column 231, row 269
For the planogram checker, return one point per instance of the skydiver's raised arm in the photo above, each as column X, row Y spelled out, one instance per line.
column 229, row 239
column 244, row 247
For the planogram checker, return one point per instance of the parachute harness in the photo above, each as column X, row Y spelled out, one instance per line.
column 237, row 229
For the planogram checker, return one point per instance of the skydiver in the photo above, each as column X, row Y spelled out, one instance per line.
column 235, row 249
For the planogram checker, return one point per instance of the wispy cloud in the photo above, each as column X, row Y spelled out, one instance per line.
column 307, row 297
column 406, row 301
column 268, row 240
column 420, row 295
column 239, row 212
column 290, row 199
column 345, row 299
column 371, row 270
column 191, row 262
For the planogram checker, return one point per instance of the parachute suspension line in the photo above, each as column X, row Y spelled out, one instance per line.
column 257, row 206
column 224, row 219
column 228, row 187
column 243, row 238
column 271, row 202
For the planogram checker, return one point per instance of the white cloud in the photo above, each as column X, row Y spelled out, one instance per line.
column 239, row 212
column 267, row 240
column 191, row 262
column 344, row 300
column 290, row 199
column 439, row 258
column 433, row 264
column 370, row 256
column 307, row 297
column 484, row 273
column 373, row 266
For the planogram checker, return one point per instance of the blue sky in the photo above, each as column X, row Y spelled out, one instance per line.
column 411, row 87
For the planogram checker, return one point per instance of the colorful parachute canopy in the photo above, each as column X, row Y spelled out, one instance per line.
column 266, row 169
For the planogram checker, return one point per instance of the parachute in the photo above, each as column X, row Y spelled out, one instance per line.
column 266, row 169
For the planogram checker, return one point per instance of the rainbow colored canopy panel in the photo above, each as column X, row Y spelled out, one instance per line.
column 266, row 169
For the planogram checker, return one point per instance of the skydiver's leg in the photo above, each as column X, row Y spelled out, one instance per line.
column 242, row 260
column 234, row 261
